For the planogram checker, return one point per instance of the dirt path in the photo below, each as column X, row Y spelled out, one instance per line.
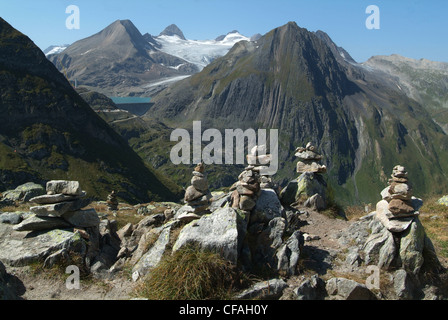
column 53, row 287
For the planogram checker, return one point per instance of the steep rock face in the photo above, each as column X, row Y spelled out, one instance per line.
column 117, row 59
column 299, row 82
column 48, row 131
column 172, row 30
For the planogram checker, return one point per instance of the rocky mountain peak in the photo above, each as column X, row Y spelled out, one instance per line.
column 173, row 30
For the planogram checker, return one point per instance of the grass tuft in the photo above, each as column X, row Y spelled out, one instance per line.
column 190, row 274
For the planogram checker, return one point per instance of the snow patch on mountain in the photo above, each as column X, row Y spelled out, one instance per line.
column 55, row 49
column 199, row 52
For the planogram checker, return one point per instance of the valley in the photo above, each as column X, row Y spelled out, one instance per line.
column 261, row 165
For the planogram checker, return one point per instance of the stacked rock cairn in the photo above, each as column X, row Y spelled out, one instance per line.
column 309, row 160
column 197, row 195
column 401, row 240
column 398, row 207
column 60, row 208
column 258, row 157
column 311, row 179
column 248, row 187
column 112, row 202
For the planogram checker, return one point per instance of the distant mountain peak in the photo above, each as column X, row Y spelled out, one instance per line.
column 173, row 30
column 223, row 36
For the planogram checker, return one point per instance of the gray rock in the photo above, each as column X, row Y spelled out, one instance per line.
column 7, row 289
column 353, row 257
column 288, row 194
column 200, row 183
column 345, row 289
column 152, row 258
column 59, row 209
column 59, row 256
column 36, row 223
column 82, row 218
column 188, row 217
column 71, row 188
column 38, row 246
column 316, row 202
column 403, row 285
column 311, row 289
column 55, row 198
column 264, row 290
column 221, row 232
column 219, row 203
column 192, row 194
column 246, row 203
column 267, row 208
column 309, row 184
column 411, row 247
column 289, row 253
column 379, row 248
column 24, row 192
column 394, row 225
column 11, row 217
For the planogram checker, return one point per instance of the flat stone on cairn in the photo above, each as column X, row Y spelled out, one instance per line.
column 60, row 207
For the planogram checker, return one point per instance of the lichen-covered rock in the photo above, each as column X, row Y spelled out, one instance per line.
column 38, row 246
column 222, row 232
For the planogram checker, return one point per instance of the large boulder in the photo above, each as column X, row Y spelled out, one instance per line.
column 153, row 256
column 24, row 192
column 268, row 207
column 307, row 185
column 11, row 217
column 36, row 246
column 223, row 232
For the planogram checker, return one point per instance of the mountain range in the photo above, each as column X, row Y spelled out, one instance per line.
column 120, row 61
column 364, row 117
column 47, row 131
column 303, row 84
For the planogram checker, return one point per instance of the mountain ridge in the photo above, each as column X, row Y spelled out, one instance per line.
column 298, row 81
column 48, row 131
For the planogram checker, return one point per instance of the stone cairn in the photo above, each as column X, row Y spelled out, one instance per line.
column 398, row 208
column 309, row 160
column 112, row 202
column 400, row 241
column 309, row 189
column 250, row 182
column 197, row 196
column 60, row 208
column 258, row 162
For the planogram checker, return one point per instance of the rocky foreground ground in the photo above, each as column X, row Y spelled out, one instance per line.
column 273, row 244
column 332, row 250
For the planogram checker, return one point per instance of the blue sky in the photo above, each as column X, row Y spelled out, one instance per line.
column 412, row 28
